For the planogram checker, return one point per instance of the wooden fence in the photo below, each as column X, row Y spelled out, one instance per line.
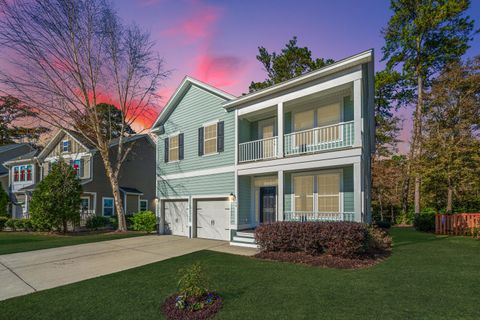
column 460, row 224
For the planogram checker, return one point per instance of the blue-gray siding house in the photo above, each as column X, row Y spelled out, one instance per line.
column 299, row 151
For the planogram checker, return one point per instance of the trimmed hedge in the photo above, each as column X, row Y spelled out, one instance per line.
column 341, row 239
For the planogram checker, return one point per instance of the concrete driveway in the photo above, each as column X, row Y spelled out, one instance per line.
column 27, row 272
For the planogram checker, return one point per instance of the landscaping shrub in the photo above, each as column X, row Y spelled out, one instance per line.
column 383, row 224
column 96, row 222
column 10, row 224
column 144, row 221
column 378, row 240
column 425, row 222
column 128, row 220
column 3, row 220
column 28, row 225
column 19, row 224
column 3, row 203
column 342, row 239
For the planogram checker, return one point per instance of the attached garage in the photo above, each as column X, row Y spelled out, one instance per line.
column 176, row 217
column 212, row 219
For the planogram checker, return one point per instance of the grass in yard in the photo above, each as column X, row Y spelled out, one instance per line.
column 11, row 242
column 425, row 278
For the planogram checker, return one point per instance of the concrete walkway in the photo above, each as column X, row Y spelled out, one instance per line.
column 27, row 272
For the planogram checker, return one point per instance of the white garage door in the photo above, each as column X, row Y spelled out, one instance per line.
column 176, row 217
column 212, row 219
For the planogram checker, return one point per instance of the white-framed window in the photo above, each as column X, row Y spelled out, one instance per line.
column 108, row 206
column 84, row 204
column 173, row 148
column 317, row 192
column 23, row 173
column 77, row 167
column 143, row 205
column 65, row 145
column 210, row 138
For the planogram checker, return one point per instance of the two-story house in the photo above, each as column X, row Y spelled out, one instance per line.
column 297, row 151
column 136, row 181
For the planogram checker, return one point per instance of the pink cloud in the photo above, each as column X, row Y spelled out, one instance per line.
column 197, row 26
column 218, row 70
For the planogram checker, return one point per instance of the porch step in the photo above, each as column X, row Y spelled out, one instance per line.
column 246, row 234
column 244, row 239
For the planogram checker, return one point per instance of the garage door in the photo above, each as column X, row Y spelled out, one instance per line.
column 212, row 219
column 176, row 217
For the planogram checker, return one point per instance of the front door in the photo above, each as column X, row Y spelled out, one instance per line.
column 268, row 204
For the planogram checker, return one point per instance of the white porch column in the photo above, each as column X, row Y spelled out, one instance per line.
column 280, row 129
column 280, row 196
column 357, row 191
column 357, row 112
column 236, row 138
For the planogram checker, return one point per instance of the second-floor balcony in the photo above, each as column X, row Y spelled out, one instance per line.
column 319, row 139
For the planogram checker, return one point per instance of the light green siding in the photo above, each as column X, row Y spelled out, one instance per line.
column 244, row 130
column 215, row 184
column 244, row 199
column 196, row 108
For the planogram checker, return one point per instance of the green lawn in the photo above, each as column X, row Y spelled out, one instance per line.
column 11, row 242
column 425, row 278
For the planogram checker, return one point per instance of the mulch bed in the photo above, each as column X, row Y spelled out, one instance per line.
column 325, row 261
column 207, row 312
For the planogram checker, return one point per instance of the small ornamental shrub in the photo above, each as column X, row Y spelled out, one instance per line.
column 425, row 222
column 3, row 203
column 341, row 239
column 10, row 224
column 193, row 282
column 383, row 224
column 3, row 220
column 19, row 224
column 144, row 221
column 28, row 225
column 96, row 222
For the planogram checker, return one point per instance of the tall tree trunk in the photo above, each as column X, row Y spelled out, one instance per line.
column 417, row 151
column 449, row 199
column 113, row 178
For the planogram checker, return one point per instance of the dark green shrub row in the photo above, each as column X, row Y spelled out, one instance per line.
column 343, row 239
column 97, row 222
column 425, row 222
column 3, row 221
column 16, row 224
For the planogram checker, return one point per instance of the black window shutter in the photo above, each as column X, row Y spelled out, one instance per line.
column 220, row 136
column 166, row 150
column 200, row 141
column 180, row 146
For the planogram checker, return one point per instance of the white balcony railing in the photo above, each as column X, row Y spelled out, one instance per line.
column 330, row 137
column 318, row 216
column 258, row 150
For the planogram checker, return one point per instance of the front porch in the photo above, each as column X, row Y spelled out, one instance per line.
column 321, row 194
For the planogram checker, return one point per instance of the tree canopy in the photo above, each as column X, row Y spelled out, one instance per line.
column 291, row 62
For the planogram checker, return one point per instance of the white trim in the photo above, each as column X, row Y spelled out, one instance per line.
column 346, row 63
column 94, row 199
column 73, row 156
column 336, row 82
column 88, row 198
column 280, row 129
column 210, row 124
column 103, row 208
column 184, row 85
column 327, row 159
column 357, row 112
column 198, row 173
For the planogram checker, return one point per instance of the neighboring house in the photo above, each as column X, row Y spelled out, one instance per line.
column 297, row 151
column 135, row 180
column 26, row 173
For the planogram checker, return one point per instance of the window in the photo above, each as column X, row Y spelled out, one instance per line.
column 22, row 173
column 77, row 167
column 328, row 186
column 65, row 146
column 108, row 208
column 329, row 114
column 143, row 205
column 303, row 186
column 210, row 139
column 303, row 120
column 173, row 150
column 84, row 204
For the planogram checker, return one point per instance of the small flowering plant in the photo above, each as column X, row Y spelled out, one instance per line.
column 194, row 299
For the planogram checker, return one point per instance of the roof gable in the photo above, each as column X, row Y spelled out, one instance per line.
column 178, row 95
column 59, row 136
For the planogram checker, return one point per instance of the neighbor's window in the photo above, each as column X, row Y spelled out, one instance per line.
column 22, row 173
column 328, row 192
column 210, row 139
column 173, row 148
column 143, row 205
column 16, row 174
column 65, row 146
column 303, row 188
column 76, row 165
column 108, row 208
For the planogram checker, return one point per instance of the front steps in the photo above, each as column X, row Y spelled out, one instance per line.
column 244, row 238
